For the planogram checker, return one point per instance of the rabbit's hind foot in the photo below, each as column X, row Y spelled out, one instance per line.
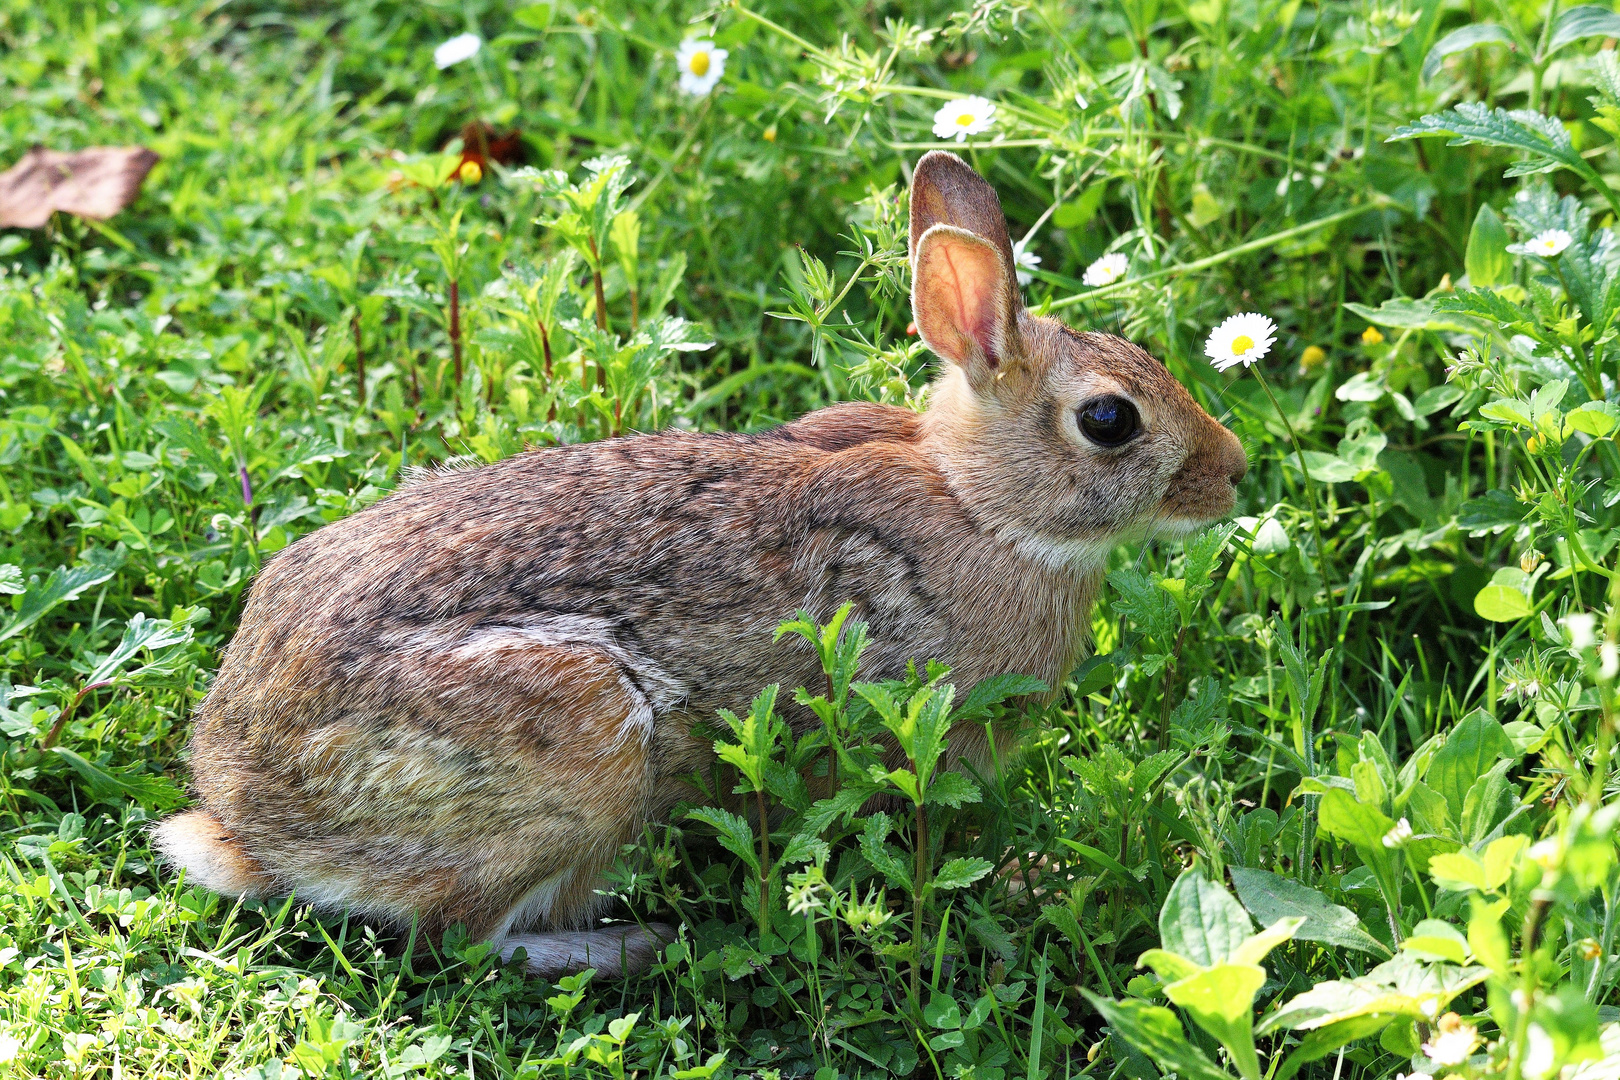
column 199, row 843
column 614, row 951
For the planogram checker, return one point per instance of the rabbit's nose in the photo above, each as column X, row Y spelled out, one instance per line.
column 1240, row 469
column 1234, row 458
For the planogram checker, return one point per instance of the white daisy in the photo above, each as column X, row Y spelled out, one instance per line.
column 1106, row 270
column 701, row 65
column 965, row 116
column 1242, row 339
column 459, row 48
column 1454, row 1043
column 1548, row 244
column 1582, row 629
column 1025, row 260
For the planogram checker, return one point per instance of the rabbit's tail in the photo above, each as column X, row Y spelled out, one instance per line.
column 197, row 842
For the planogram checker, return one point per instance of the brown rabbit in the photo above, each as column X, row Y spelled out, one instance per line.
column 457, row 704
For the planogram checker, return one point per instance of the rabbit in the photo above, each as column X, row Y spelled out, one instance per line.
column 455, row 705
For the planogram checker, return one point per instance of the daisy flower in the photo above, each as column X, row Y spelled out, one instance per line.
column 1025, row 260
column 963, row 117
column 701, row 65
column 459, row 48
column 1106, row 270
column 1454, row 1043
column 1242, row 339
column 1548, row 244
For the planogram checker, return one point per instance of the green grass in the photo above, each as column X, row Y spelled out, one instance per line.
column 1383, row 637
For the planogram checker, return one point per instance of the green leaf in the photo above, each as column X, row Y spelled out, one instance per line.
column 1495, row 511
column 1404, row 986
column 1323, row 1041
column 1435, row 940
column 1458, row 871
column 959, row 873
column 1270, row 897
column 1155, row 1032
column 1487, row 260
column 736, row 835
column 155, row 793
column 1474, row 123
column 1168, row 966
column 64, row 584
column 1461, row 40
column 1436, row 398
column 1472, row 748
column 990, row 692
column 1221, row 1001
column 1402, row 313
column 1362, row 826
column 1587, row 20
column 1498, row 603
column 1595, row 418
column 1201, row 922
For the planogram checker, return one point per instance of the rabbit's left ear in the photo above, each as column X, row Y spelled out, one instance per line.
column 964, row 303
column 946, row 191
column 964, row 287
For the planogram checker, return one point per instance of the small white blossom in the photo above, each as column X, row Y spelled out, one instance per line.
column 1582, row 629
column 1454, row 1043
column 1242, row 339
column 1540, row 1053
column 1548, row 244
column 1399, row 835
column 1608, row 660
column 1546, row 853
column 459, row 48
column 961, row 117
column 1106, row 270
column 1025, row 260
column 700, row 64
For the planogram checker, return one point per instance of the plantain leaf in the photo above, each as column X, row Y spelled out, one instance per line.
column 1461, row 40
column 1587, row 20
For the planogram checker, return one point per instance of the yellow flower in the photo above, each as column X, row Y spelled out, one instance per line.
column 470, row 172
column 1312, row 359
column 770, row 133
column 1533, row 444
column 1371, row 336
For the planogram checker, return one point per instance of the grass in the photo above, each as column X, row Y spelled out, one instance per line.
column 1410, row 626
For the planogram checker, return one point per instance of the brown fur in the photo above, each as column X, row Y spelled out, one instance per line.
column 458, row 703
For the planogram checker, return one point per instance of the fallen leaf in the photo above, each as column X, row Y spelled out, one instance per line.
column 93, row 183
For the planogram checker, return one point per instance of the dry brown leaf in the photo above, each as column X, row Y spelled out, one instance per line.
column 94, row 183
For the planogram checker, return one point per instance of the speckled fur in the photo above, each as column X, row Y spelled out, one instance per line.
column 455, row 705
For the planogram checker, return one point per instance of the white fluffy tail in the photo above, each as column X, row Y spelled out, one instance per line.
column 199, row 843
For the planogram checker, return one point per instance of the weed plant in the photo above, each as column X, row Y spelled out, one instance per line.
column 1334, row 796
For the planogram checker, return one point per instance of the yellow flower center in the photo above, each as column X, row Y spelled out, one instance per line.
column 964, row 120
column 470, row 172
column 699, row 64
column 1242, row 344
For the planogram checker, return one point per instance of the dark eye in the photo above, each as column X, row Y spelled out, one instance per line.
column 1109, row 421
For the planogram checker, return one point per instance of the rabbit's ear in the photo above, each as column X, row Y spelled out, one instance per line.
column 946, row 191
column 965, row 304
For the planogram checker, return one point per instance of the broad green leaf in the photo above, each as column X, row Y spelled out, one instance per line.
column 1508, row 410
column 1433, row 939
column 1495, row 511
column 1404, row 986
column 1155, row 1032
column 1487, row 259
column 1201, row 921
column 1458, row 871
column 1168, row 966
column 1323, row 468
column 1402, row 313
column 1498, row 603
column 1472, row 748
column 736, row 835
column 1436, row 398
column 1356, row 823
column 987, row 693
column 1461, row 40
column 1323, row 1041
column 1221, row 1001
column 154, row 793
column 1270, row 897
column 1255, row 949
column 1595, row 418
column 1584, row 21
column 1485, row 935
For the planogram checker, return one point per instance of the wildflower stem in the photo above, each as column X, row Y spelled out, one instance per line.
column 1220, row 257
column 1310, row 488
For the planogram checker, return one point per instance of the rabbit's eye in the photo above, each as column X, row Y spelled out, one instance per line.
column 1109, row 421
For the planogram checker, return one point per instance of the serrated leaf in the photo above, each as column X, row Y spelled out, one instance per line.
column 960, row 873
column 1474, row 123
column 987, row 693
column 735, row 834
